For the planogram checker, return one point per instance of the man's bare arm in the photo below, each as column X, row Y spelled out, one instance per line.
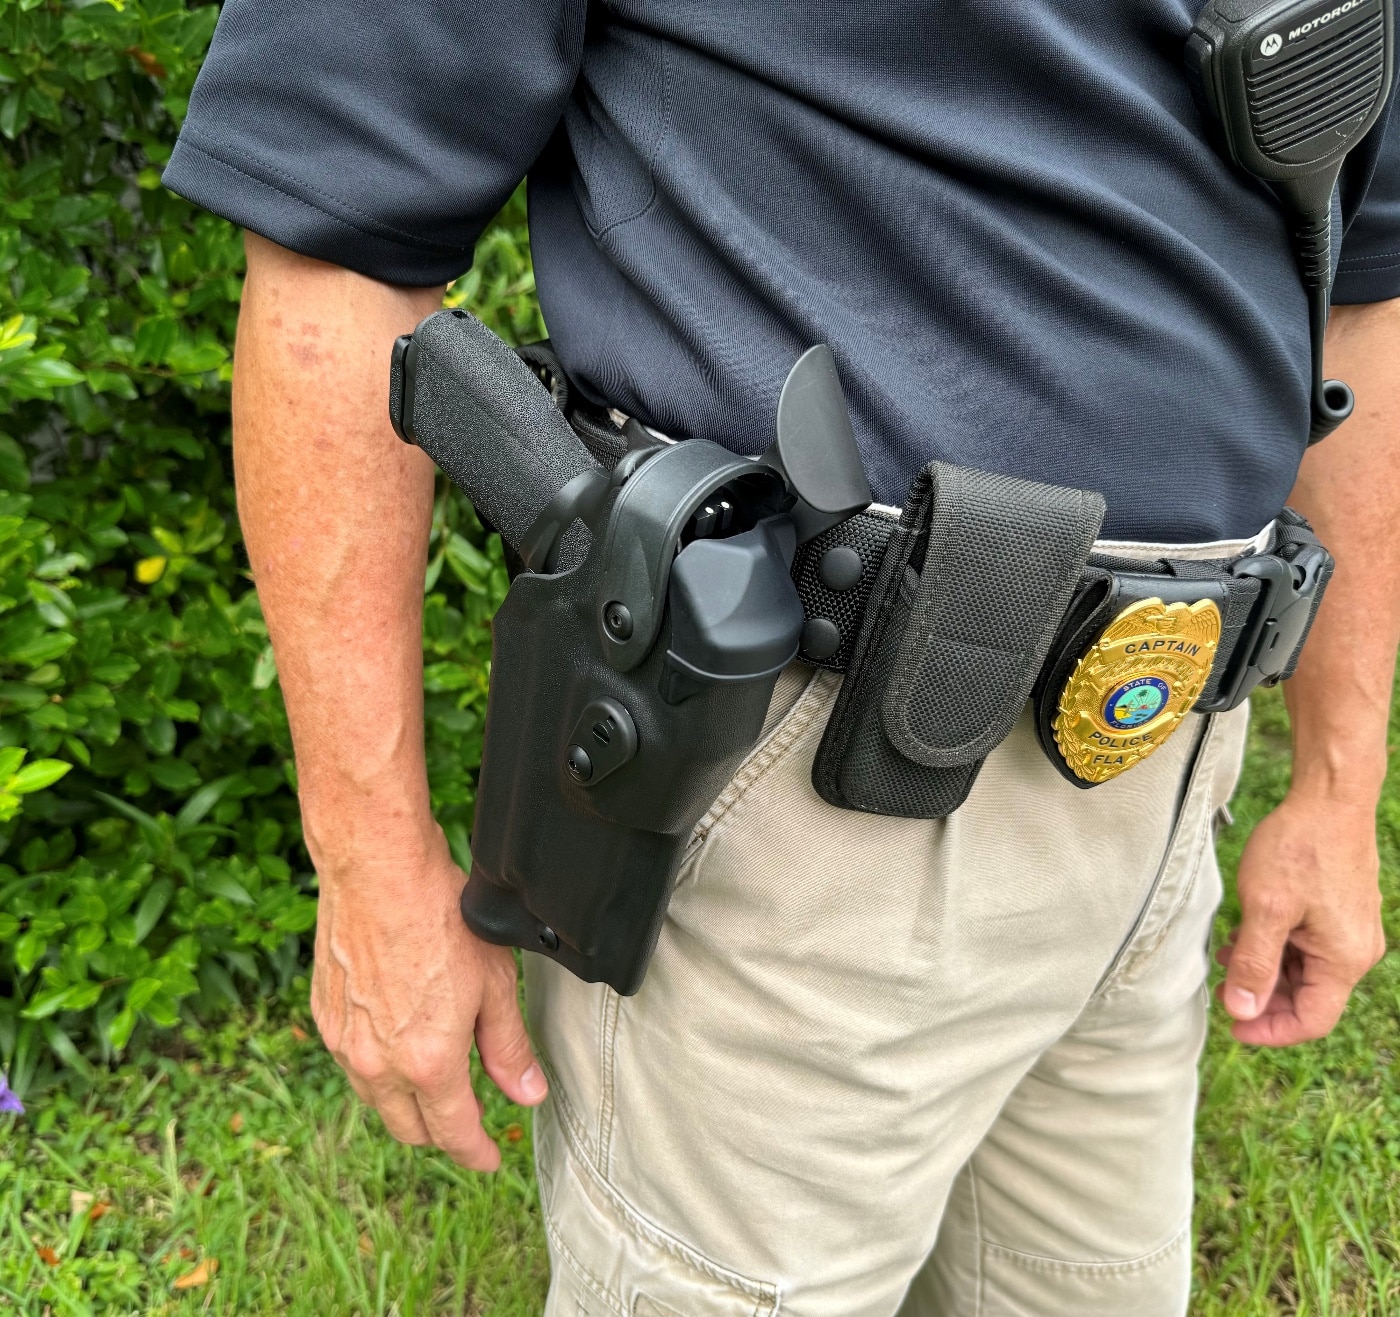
column 336, row 512
column 1308, row 880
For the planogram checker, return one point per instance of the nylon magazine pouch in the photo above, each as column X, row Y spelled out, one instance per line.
column 971, row 590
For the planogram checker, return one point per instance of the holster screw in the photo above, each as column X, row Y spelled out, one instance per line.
column 618, row 620
column 579, row 764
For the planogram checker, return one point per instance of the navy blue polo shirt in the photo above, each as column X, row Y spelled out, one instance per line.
column 1005, row 218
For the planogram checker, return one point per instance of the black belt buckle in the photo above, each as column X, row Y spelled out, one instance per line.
column 1289, row 589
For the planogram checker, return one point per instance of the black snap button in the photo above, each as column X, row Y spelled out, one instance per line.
column 840, row 568
column 820, row 638
column 549, row 939
column 580, row 765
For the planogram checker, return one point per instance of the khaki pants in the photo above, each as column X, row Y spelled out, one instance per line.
column 887, row 1066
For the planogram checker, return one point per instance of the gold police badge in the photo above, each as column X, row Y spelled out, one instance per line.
column 1134, row 685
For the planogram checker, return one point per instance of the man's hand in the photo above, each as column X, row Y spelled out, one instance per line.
column 1311, row 921
column 335, row 513
column 1308, row 879
column 399, row 988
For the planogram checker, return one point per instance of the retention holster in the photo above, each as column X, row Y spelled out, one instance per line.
column 634, row 659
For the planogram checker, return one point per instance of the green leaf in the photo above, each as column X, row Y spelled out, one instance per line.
column 49, row 372
column 63, row 1046
column 154, row 338
column 300, row 917
column 275, row 867
column 140, row 993
column 162, row 1010
column 216, row 981
column 84, row 997
column 264, row 670
column 116, row 669
column 144, row 821
column 203, row 800
column 119, row 1030
column 49, row 1001
column 42, row 648
column 38, row 775
column 84, row 906
column 122, row 931
column 87, row 939
column 220, row 882
column 13, row 114
column 439, row 678
column 29, row 948
column 11, row 757
column 175, row 774
column 459, row 843
column 182, row 711
column 151, row 908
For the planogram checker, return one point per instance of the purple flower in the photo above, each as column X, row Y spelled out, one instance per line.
column 8, row 1100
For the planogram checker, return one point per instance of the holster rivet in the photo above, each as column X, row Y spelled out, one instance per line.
column 618, row 620
column 840, row 568
column 580, row 765
column 549, row 939
column 821, row 638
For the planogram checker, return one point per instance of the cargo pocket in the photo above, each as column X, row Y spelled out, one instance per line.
column 610, row 1261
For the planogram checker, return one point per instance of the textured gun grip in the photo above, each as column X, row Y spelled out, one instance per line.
column 482, row 416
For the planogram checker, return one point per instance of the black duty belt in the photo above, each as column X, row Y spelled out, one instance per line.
column 986, row 592
column 1140, row 644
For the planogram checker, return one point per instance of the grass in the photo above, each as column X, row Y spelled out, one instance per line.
column 1298, row 1155
column 241, row 1144
column 244, row 1147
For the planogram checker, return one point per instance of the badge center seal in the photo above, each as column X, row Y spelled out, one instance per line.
column 1132, row 687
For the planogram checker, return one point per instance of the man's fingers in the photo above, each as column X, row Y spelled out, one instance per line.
column 401, row 1116
column 439, row 1108
column 1253, row 960
column 506, row 1054
column 362, row 1090
column 1308, row 1014
column 454, row 1121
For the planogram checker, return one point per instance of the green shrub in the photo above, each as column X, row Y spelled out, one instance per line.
column 148, row 826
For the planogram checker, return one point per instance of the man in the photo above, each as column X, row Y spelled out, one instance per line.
column 876, row 1062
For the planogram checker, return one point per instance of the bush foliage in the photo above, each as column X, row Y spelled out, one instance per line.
column 148, row 823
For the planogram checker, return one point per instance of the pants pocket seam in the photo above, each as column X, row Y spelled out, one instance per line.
column 562, row 1108
column 764, row 1294
column 607, row 1061
column 1197, row 778
column 979, row 1292
column 581, row 1273
column 1125, row 1266
column 1143, row 952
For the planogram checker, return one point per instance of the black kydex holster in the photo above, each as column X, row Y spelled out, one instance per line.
column 634, row 659
column 971, row 588
column 618, row 710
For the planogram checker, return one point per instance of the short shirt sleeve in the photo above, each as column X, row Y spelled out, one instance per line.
column 379, row 136
column 1369, row 269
